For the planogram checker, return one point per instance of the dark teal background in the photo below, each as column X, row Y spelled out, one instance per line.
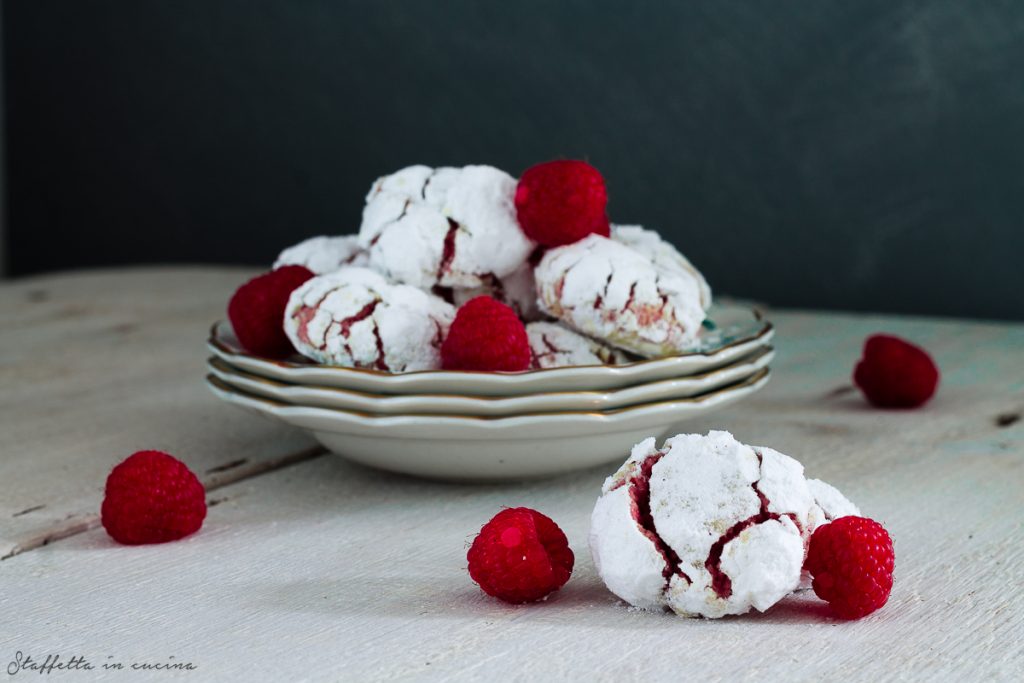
column 839, row 154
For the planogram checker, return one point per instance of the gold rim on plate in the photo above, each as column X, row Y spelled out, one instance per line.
column 213, row 341
column 220, row 365
column 220, row 385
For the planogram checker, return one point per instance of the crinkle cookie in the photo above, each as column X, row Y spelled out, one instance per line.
column 664, row 254
column 356, row 318
column 518, row 290
column 703, row 526
column 324, row 254
column 553, row 345
column 611, row 292
column 447, row 227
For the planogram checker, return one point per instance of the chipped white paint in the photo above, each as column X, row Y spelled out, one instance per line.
column 328, row 571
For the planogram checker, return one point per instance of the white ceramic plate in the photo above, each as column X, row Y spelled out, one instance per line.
column 731, row 332
column 481, row 448
column 383, row 404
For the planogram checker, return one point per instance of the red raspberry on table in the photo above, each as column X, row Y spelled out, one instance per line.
column 561, row 202
column 152, row 497
column 851, row 560
column 257, row 308
column 486, row 335
column 520, row 556
column 893, row 373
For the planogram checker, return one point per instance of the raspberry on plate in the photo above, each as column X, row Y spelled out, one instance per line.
column 256, row 311
column 851, row 560
column 561, row 202
column 486, row 335
column 152, row 497
column 520, row 556
column 893, row 373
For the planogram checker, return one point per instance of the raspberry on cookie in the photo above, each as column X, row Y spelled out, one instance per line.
column 561, row 202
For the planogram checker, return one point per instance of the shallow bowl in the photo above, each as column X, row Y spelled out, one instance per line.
column 485, row 448
column 731, row 332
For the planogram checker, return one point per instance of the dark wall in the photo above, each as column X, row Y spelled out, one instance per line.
column 863, row 155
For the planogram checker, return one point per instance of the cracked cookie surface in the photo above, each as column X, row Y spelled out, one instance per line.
column 662, row 253
column 354, row 317
column 704, row 526
column 444, row 227
column 614, row 293
column 553, row 345
column 324, row 254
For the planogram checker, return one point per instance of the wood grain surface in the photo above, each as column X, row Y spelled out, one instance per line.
column 322, row 570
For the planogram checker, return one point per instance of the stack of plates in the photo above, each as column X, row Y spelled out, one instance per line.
column 483, row 425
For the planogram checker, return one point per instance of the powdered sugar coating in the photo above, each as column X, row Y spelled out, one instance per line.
column 626, row 559
column 447, row 227
column 324, row 254
column 728, row 517
column 829, row 504
column 611, row 292
column 517, row 290
column 354, row 317
column 553, row 345
column 662, row 253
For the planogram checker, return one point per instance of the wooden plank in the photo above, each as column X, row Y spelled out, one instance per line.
column 328, row 571
column 94, row 366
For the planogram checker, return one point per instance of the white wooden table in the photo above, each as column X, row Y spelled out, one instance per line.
column 309, row 568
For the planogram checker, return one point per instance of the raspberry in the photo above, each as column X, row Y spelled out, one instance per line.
column 561, row 202
column 851, row 561
column 520, row 556
column 894, row 373
column 486, row 335
column 152, row 497
column 257, row 308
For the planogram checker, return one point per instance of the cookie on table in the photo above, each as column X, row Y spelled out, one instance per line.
column 705, row 526
column 324, row 254
column 553, row 345
column 616, row 294
column 354, row 317
column 444, row 227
